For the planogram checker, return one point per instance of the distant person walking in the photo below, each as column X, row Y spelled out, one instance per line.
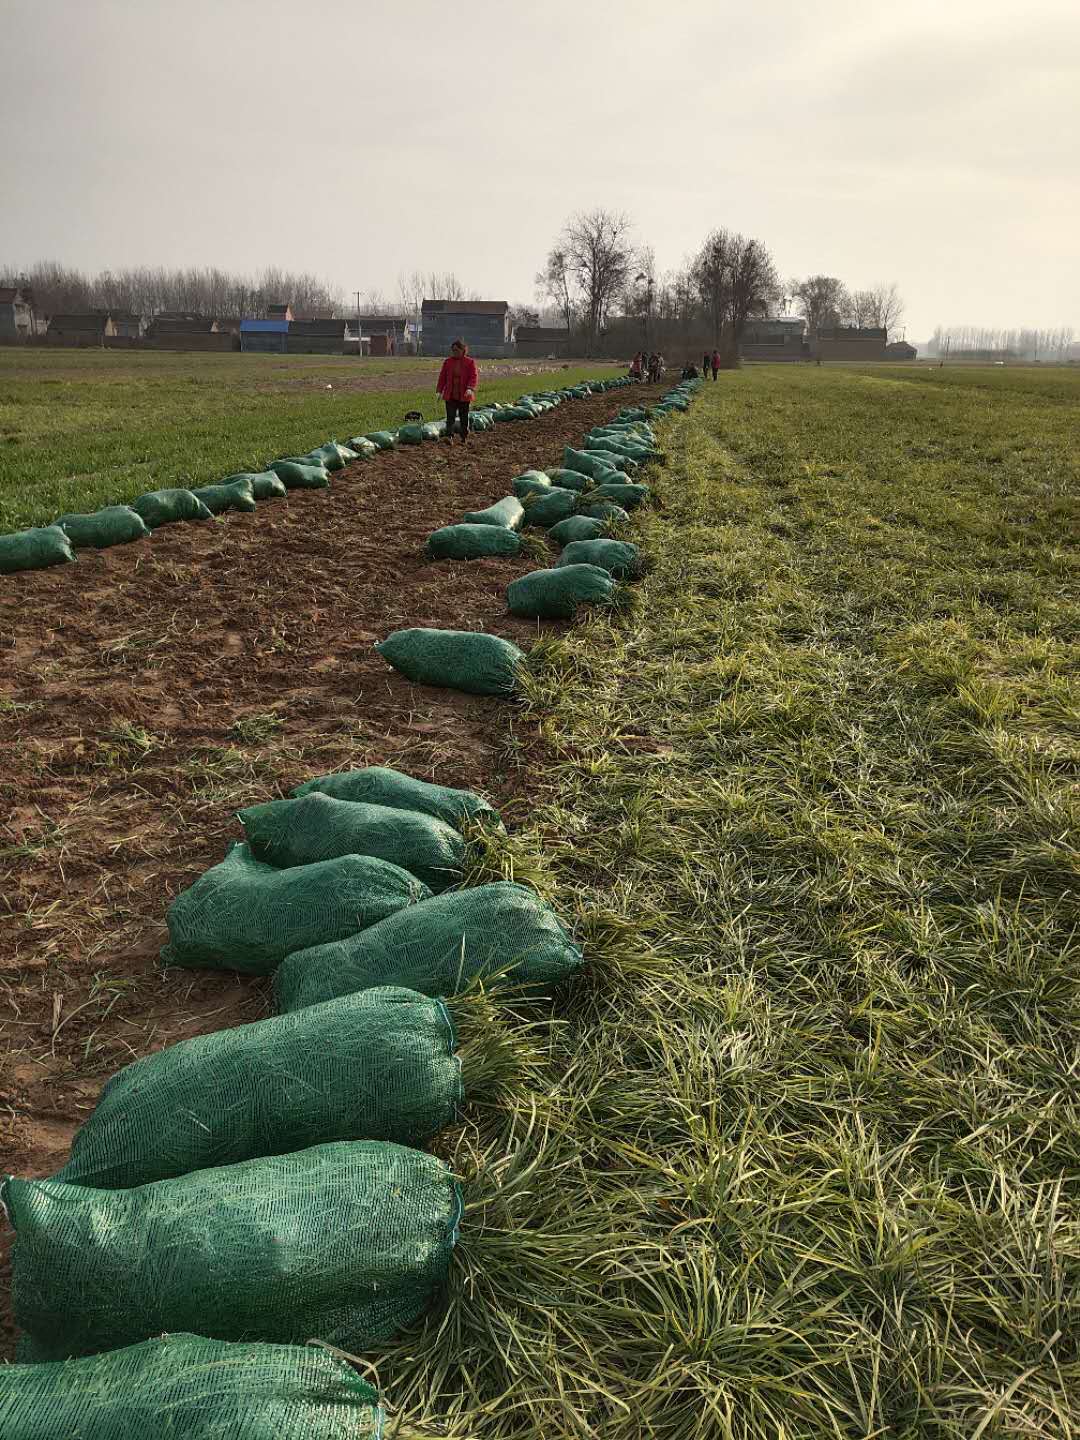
column 635, row 366
column 706, row 364
column 457, row 385
column 715, row 363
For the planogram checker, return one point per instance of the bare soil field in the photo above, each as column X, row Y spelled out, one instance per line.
column 150, row 690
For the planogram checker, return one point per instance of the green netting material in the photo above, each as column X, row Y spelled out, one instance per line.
column 507, row 512
column 459, row 659
column 556, row 594
column 382, row 439
column 112, row 525
column 342, row 1243
column 587, row 462
column 411, row 435
column 531, row 483
column 373, row 1066
column 233, row 495
column 550, row 508
column 628, row 495
column 243, row 915
column 34, row 549
column 472, row 542
column 379, row 785
column 300, row 474
column 331, row 456
column 618, row 462
column 167, row 507
column 576, row 527
column 617, row 557
column 362, row 448
column 265, row 485
column 605, row 510
column 183, row 1387
column 439, row 947
column 569, row 479
column 434, row 428
column 318, row 827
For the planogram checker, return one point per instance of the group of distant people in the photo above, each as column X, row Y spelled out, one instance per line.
column 710, row 361
column 647, row 367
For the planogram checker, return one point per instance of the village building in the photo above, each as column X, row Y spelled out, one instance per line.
column 92, row 327
column 484, row 325
column 541, row 342
column 18, row 321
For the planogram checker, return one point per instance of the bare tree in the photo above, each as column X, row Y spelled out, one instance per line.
column 599, row 256
column 821, row 300
column 885, row 305
column 736, row 279
column 711, row 271
column 556, row 283
column 444, row 285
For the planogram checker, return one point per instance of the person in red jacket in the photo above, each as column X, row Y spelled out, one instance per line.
column 715, row 363
column 457, row 386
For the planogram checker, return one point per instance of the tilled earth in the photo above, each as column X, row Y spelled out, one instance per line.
column 149, row 691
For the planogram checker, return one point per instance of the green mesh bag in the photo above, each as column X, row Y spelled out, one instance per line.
column 618, row 557
column 587, row 462
column 343, row 1243
column 552, row 507
column 182, row 1387
column 112, row 525
column 243, row 915
column 411, row 435
column 382, row 439
column 373, row 1066
column 331, row 456
column 318, row 827
column 480, row 420
column 502, row 931
column 569, row 479
column 507, row 513
column 167, row 507
column 465, row 660
column 617, row 462
column 236, row 495
column 300, row 474
column 576, row 527
column 34, row 549
column 629, row 496
column 265, row 485
column 605, row 510
column 381, row 786
column 472, row 542
column 556, row 594
column 434, row 428
column 532, row 482
column 362, row 447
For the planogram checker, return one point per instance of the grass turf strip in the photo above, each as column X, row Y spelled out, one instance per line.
column 807, row 1158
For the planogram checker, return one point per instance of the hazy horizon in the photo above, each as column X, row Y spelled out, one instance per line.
column 938, row 148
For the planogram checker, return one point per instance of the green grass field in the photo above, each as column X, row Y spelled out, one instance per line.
column 84, row 428
column 803, row 1159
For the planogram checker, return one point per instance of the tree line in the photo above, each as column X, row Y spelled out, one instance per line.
column 1019, row 344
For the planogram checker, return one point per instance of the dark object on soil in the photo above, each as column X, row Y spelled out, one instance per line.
column 472, row 542
column 507, row 512
column 344, row 1241
column 379, row 785
column 234, row 495
column 556, row 594
column 318, row 827
column 502, row 930
column 112, row 525
column 34, row 549
column 167, row 507
column 576, row 527
column 629, row 496
column 465, row 660
column 243, row 915
column 301, row 474
column 551, row 507
column 186, row 1388
column 373, row 1066
column 617, row 557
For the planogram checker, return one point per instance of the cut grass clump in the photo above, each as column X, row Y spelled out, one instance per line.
column 803, row 1156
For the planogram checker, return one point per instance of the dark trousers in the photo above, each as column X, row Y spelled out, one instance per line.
column 454, row 408
column 715, row 370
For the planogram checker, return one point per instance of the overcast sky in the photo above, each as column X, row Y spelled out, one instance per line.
column 931, row 142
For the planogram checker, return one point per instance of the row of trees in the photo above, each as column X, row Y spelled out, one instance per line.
column 981, row 340
column 60, row 289
column 596, row 272
column 825, row 301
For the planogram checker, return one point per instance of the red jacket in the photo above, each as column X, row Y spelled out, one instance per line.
column 457, row 378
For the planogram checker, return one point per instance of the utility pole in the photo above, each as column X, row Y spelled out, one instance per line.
column 359, row 337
